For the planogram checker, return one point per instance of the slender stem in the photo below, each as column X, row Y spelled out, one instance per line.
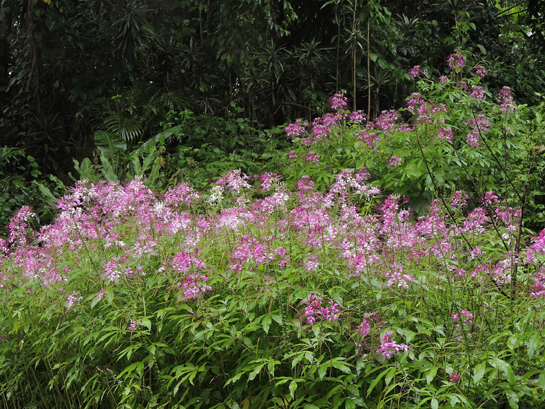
column 355, row 43
column 452, row 216
column 369, row 66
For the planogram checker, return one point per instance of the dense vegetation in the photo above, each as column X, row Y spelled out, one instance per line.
column 384, row 263
column 340, row 204
column 69, row 69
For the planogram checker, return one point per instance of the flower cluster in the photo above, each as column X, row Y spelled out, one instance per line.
column 73, row 299
column 459, row 199
column 314, row 310
column 388, row 347
column 298, row 128
column 480, row 71
column 338, row 102
column 478, row 92
column 455, row 61
column 445, row 134
column 18, row 225
column 194, row 285
column 182, row 193
column 505, row 98
column 357, row 116
column 480, row 124
column 268, row 179
column 234, row 181
column 313, row 157
column 464, row 317
column 416, row 71
column 395, row 161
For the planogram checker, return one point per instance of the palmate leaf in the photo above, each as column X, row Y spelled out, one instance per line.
column 161, row 137
column 128, row 128
column 109, row 144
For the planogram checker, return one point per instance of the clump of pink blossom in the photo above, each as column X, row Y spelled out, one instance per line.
column 480, row 71
column 194, row 285
column 298, row 128
column 445, row 134
column 358, row 116
column 338, row 102
column 389, row 348
column 416, row 71
column 455, row 60
column 395, row 161
column 234, row 181
column 316, row 312
column 505, row 98
column 313, row 157
column 478, row 92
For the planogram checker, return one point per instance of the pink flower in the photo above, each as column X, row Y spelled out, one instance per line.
column 490, row 199
column 194, row 286
column 454, row 377
column 364, row 328
column 459, row 199
column 443, row 79
column 480, row 71
column 445, row 133
column 18, row 224
column 268, row 179
column 313, row 157
column 73, row 299
column 389, row 348
column 505, row 98
column 462, row 84
column 395, row 161
column 338, row 102
column 477, row 92
column 314, row 310
column 455, row 61
column 296, row 129
column 416, row 71
column 234, row 181
column 357, row 116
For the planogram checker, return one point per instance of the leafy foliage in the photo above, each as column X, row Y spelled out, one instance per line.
column 296, row 299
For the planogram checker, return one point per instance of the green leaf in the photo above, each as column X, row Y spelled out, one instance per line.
column 146, row 323
column 541, row 381
column 107, row 170
column 512, row 398
column 323, row 370
column 434, row 403
column 293, row 388
column 339, row 364
column 255, row 372
column 138, row 366
column 234, row 378
column 390, row 375
column 109, row 144
column 478, row 372
column 533, row 343
column 431, row 374
column 505, row 368
column 377, row 380
column 266, row 323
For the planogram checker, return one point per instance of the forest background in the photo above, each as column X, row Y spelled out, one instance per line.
column 75, row 76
